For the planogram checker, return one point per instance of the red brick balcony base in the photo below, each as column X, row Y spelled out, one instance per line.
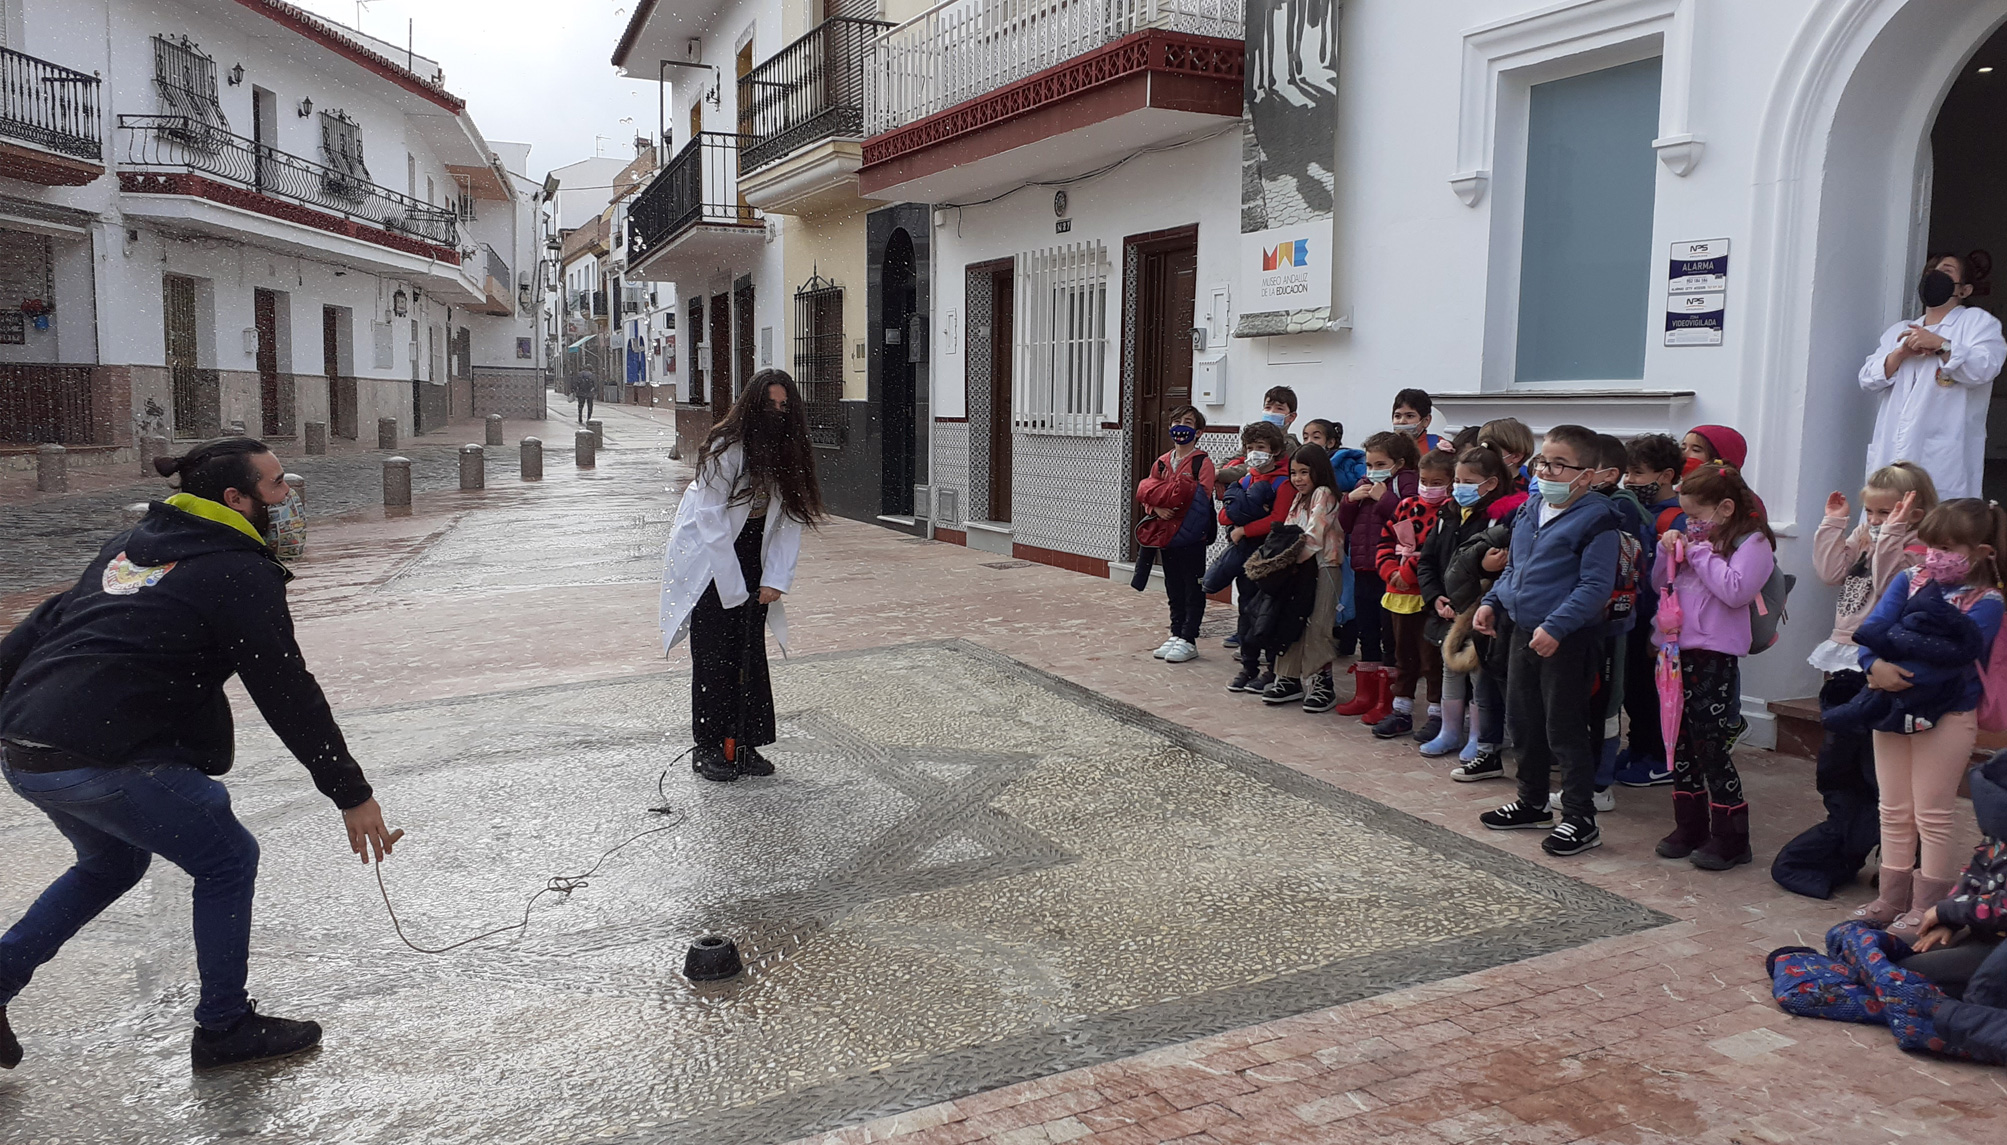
column 201, row 187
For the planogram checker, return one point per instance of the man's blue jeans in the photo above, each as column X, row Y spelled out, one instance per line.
column 118, row 818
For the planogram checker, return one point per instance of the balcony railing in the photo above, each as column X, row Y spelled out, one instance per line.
column 700, row 185
column 180, row 143
column 960, row 49
column 811, row 90
column 496, row 268
column 49, row 106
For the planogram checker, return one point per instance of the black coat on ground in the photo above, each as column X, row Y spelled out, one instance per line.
column 1830, row 854
column 1978, row 1024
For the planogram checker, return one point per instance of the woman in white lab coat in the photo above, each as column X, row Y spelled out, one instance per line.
column 1935, row 377
column 738, row 530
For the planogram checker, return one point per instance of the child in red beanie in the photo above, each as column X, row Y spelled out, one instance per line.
column 1705, row 443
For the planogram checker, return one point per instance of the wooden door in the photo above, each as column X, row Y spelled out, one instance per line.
column 721, row 355
column 341, row 391
column 742, row 333
column 196, row 412
column 1003, row 295
column 265, row 317
column 1166, row 301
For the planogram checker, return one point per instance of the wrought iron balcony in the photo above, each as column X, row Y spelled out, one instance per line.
column 699, row 187
column 178, row 143
column 811, row 90
column 49, row 106
column 961, row 49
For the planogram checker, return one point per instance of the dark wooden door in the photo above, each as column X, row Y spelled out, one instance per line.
column 197, row 410
column 1003, row 295
column 1167, row 294
column 742, row 333
column 721, row 355
column 265, row 316
column 341, row 390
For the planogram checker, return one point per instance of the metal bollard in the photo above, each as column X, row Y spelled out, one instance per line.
column 52, row 469
column 585, row 449
column 473, row 467
column 134, row 513
column 299, row 485
column 533, row 459
column 237, row 429
column 598, row 433
column 495, row 429
column 316, row 437
column 397, row 486
column 386, row 433
column 150, row 447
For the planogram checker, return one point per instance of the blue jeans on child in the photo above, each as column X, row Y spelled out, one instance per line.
column 118, row 818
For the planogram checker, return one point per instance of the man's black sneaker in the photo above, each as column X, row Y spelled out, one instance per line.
column 1243, row 681
column 710, row 763
column 1515, row 816
column 10, row 1049
column 256, row 1037
column 751, row 762
column 1489, row 764
column 1572, row 837
column 1283, row 690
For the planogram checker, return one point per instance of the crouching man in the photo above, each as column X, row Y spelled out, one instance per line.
column 114, row 723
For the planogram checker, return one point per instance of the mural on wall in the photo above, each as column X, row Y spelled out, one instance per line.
column 1288, row 155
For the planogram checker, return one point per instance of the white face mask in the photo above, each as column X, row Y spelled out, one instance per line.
column 1874, row 532
column 1257, row 458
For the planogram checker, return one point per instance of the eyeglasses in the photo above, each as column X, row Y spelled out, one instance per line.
column 1544, row 465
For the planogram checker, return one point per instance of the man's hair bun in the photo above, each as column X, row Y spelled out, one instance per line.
column 167, row 466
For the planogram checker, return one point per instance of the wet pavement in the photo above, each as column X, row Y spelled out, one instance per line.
column 1030, row 887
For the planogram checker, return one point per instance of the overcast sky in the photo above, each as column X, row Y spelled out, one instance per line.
column 531, row 71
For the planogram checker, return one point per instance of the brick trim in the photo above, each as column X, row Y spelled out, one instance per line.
column 31, row 165
column 200, row 187
column 1071, row 562
column 952, row 536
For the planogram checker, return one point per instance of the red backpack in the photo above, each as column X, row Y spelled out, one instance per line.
column 1993, row 688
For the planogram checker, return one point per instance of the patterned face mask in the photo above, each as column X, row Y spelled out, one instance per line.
column 1946, row 567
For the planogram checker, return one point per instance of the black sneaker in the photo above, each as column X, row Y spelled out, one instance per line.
column 1262, row 681
column 1515, row 817
column 1321, row 697
column 1572, row 837
column 1430, row 729
column 1394, row 726
column 10, row 1049
column 256, row 1037
column 1243, row 681
column 1283, row 690
column 710, row 763
column 1487, row 765
column 751, row 762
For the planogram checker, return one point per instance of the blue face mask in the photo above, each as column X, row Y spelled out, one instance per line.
column 1183, row 434
column 1379, row 476
column 1556, row 492
column 1275, row 419
column 1467, row 493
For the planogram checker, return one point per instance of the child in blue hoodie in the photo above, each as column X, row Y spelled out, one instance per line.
column 1653, row 466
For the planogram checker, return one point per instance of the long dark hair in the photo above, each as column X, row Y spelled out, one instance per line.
column 1318, row 462
column 212, row 468
column 778, row 457
column 1717, row 481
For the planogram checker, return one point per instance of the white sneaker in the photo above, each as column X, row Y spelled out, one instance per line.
column 1181, row 651
column 1606, row 800
column 1164, row 649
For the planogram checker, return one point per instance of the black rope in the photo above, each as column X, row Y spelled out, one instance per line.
column 557, row 884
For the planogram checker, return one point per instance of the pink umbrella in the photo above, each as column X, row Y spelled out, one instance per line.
column 1672, row 685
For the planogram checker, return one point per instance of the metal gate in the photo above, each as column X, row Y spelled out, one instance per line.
column 818, row 357
column 195, row 395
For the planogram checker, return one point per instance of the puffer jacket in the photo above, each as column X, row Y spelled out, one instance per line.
column 1455, row 527
column 1465, row 584
column 1977, row 1025
column 1363, row 520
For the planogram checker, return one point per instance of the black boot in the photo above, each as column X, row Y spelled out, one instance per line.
column 1728, row 839
column 10, row 1049
column 751, row 762
column 255, row 1037
column 1689, row 833
column 711, row 764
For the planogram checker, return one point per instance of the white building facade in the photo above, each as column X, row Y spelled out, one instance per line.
column 243, row 214
column 1485, row 199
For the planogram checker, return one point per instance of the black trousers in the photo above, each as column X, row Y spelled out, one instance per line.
column 1547, row 706
column 1183, row 569
column 1955, row 968
column 1370, row 619
column 584, row 406
column 731, row 694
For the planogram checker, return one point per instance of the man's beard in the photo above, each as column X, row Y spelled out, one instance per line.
column 261, row 519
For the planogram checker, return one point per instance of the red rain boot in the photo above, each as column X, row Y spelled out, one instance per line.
column 1383, row 699
column 1361, row 702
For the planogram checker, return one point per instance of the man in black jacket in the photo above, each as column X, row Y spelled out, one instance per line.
column 113, row 721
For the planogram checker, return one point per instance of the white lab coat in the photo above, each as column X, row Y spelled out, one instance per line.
column 1934, row 412
column 700, row 551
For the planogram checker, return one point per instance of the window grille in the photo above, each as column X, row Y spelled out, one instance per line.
column 1062, row 339
column 186, row 81
column 818, row 357
column 341, row 153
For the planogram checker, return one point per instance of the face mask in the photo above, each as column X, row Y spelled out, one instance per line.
column 1647, row 491
column 1874, row 532
column 1435, row 494
column 1555, row 492
column 1277, row 420
column 1467, row 493
column 1184, row 434
column 1946, row 567
column 1410, row 430
column 1935, row 288
column 1698, row 529
column 1259, row 459
column 1379, row 476
column 1607, row 488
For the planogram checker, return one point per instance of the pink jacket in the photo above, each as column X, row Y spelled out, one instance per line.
column 1715, row 593
column 1835, row 549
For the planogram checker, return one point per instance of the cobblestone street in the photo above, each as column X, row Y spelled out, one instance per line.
column 1016, row 881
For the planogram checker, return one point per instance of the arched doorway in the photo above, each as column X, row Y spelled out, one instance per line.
column 898, row 302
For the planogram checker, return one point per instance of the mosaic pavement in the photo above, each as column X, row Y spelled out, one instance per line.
column 969, row 873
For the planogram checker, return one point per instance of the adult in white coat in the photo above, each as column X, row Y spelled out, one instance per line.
column 1935, row 377
column 739, row 529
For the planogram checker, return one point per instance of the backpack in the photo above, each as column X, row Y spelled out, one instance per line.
column 1624, row 594
column 1993, row 688
column 1767, row 613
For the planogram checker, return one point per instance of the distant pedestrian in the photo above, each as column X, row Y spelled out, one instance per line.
column 737, row 529
column 584, row 388
column 113, row 722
